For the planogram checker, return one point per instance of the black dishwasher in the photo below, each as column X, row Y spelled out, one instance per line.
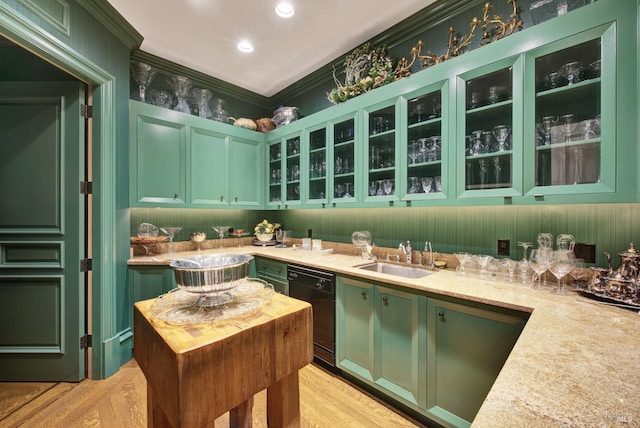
column 318, row 288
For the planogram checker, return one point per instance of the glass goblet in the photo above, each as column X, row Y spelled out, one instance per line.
column 203, row 97
column 539, row 260
column 388, row 186
column 462, row 260
column 426, row 184
column 181, row 86
column 509, row 266
column 484, row 261
column 171, row 233
column 563, row 263
column 220, row 230
column 501, row 132
column 142, row 75
column 568, row 122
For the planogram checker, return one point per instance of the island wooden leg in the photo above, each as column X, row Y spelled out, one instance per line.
column 240, row 417
column 283, row 402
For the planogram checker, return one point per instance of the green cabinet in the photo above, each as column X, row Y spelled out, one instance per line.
column 381, row 338
column 183, row 160
column 433, row 357
column 274, row 272
column 546, row 115
column 467, row 348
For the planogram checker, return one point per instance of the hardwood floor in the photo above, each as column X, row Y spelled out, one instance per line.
column 120, row 401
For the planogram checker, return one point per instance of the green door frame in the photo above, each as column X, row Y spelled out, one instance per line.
column 105, row 356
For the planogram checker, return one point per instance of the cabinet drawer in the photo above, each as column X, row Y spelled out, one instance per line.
column 271, row 268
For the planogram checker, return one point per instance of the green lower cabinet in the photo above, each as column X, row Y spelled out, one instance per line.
column 467, row 349
column 274, row 272
column 381, row 339
column 436, row 359
column 147, row 282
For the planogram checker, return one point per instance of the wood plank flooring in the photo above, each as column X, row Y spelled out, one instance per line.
column 121, row 401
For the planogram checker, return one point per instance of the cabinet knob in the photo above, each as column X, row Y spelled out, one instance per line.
column 235, row 199
column 441, row 315
column 385, row 301
column 221, row 198
column 364, row 294
column 175, row 196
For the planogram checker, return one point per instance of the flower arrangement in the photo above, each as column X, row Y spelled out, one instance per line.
column 264, row 227
column 366, row 68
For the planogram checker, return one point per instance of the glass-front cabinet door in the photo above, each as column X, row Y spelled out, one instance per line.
column 492, row 129
column 381, row 152
column 275, row 173
column 426, row 137
column 573, row 118
column 317, row 166
column 292, row 162
column 344, row 162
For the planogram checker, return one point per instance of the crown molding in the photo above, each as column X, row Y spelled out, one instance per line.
column 103, row 12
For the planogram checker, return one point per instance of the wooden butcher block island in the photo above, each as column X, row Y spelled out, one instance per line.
column 197, row 372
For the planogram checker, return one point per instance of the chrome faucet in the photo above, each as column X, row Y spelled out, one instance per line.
column 427, row 248
column 406, row 250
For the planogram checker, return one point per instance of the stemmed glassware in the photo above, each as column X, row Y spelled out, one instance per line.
column 563, row 263
column 501, row 132
column 426, row 184
column 462, row 260
column 388, row 186
column 220, row 230
column 170, row 232
column 568, row 126
column 523, row 264
column 510, row 266
column 203, row 97
column 572, row 72
column 281, row 238
column 544, row 126
column 142, row 75
column 373, row 188
column 540, row 260
column 484, row 261
column 497, row 169
column 181, row 86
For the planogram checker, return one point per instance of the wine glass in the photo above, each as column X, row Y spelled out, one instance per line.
column 142, row 75
column 373, row 188
column 563, row 263
column 281, row 238
column 181, row 86
column 572, row 72
column 413, row 185
column 523, row 264
column 568, row 122
column 171, row 232
column 219, row 114
column 220, row 230
column 540, row 260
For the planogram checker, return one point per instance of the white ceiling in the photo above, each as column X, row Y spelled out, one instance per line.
column 202, row 34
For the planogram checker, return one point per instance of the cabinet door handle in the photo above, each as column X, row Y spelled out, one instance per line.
column 441, row 315
column 364, row 294
column 235, row 199
column 385, row 301
column 175, row 196
column 221, row 198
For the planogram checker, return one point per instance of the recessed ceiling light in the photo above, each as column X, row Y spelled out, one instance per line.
column 245, row 46
column 284, row 10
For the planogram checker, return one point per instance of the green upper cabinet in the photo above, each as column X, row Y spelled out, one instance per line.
column 315, row 165
column 182, row 160
column 344, row 176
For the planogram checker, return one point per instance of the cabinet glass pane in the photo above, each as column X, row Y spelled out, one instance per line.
column 488, row 120
column 275, row 173
column 568, row 116
column 424, row 144
column 293, row 169
column 382, row 152
column 318, row 164
column 344, row 159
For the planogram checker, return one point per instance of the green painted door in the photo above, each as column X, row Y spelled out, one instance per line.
column 467, row 349
column 355, row 316
column 42, row 223
column 400, row 349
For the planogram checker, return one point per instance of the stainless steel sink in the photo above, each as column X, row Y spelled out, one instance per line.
column 397, row 270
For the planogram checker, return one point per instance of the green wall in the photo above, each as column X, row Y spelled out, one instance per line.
column 472, row 229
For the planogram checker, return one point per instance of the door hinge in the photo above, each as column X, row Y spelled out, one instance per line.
column 86, row 341
column 86, row 187
column 86, row 111
column 86, row 265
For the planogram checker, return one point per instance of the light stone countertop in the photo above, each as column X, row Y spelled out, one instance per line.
column 576, row 363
